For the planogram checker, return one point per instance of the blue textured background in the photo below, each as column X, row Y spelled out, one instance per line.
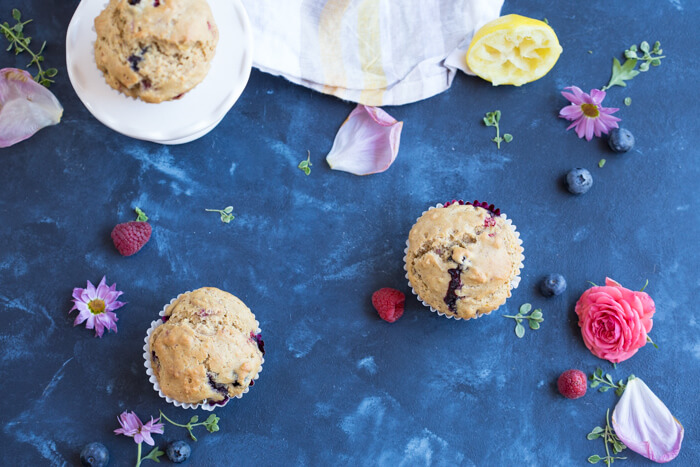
column 340, row 386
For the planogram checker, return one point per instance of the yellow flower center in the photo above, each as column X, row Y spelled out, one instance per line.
column 590, row 110
column 96, row 306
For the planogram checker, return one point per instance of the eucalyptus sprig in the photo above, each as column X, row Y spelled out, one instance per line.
column 534, row 319
column 492, row 119
column 305, row 165
column 20, row 43
column 211, row 424
column 226, row 215
column 598, row 379
column 611, row 442
column 627, row 71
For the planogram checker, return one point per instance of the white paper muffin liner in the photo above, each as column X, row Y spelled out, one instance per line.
column 152, row 377
column 514, row 282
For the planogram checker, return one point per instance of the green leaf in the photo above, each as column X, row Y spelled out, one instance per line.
column 508, row 137
column 592, row 436
column 655, row 62
column 619, row 391
column 51, row 72
column 604, row 388
column 644, row 46
column 525, row 308
column 657, row 45
column 595, row 384
column 594, row 459
column 194, row 419
column 546, row 21
column 622, row 73
column 518, row 320
column 228, row 209
column 597, row 429
column 534, row 325
column 601, row 163
column 633, row 48
column 537, row 314
column 16, row 14
column 628, row 101
column 487, row 122
column 644, row 67
column 154, row 454
column 630, row 54
column 599, row 372
column 497, row 116
column 519, row 330
column 609, row 378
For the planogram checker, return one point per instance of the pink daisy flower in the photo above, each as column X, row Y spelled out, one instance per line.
column 134, row 428
column 588, row 115
column 96, row 306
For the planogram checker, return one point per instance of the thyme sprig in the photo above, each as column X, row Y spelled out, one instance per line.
column 20, row 43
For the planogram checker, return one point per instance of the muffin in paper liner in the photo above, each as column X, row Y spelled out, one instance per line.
column 152, row 377
column 514, row 282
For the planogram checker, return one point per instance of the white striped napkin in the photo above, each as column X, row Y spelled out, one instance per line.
column 375, row 52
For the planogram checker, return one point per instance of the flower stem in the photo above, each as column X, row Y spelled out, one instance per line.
column 172, row 422
column 138, row 462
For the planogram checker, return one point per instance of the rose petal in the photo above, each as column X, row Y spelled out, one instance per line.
column 367, row 142
column 25, row 107
column 645, row 425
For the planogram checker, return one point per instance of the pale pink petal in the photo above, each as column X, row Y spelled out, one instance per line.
column 577, row 97
column 82, row 316
column 571, row 112
column 25, row 107
column 589, row 127
column 645, row 425
column 90, row 291
column 141, row 437
column 367, row 142
column 597, row 96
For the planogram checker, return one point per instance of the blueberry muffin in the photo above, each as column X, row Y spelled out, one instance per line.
column 207, row 350
column 463, row 259
column 155, row 50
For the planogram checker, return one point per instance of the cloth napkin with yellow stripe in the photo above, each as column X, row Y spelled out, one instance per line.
column 374, row 52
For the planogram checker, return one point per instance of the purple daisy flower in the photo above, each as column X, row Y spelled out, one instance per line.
column 588, row 115
column 134, row 428
column 96, row 306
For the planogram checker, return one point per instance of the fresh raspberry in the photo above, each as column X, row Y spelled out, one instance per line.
column 389, row 303
column 130, row 237
column 572, row 384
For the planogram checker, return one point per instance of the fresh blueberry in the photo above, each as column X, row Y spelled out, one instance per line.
column 553, row 284
column 579, row 181
column 94, row 455
column 178, row 451
column 620, row 140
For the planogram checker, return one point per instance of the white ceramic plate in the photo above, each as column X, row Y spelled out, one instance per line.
column 172, row 122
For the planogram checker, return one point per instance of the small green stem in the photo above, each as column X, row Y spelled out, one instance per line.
column 170, row 421
column 138, row 462
column 606, row 438
column 498, row 136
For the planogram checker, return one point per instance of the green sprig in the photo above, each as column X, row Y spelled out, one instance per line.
column 225, row 213
column 211, row 424
column 20, row 43
column 605, row 381
column 492, row 119
column 306, row 164
column 627, row 71
column 534, row 319
column 601, row 163
column 611, row 442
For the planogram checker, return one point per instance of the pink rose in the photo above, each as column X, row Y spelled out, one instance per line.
column 614, row 320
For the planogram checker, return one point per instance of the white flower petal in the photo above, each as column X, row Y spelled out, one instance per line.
column 645, row 425
column 25, row 107
column 367, row 142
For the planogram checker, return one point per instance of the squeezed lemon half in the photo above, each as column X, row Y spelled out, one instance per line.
column 513, row 49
